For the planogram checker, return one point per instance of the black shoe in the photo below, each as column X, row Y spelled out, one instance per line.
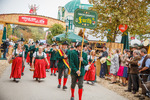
column 64, row 87
column 22, row 74
column 14, row 79
column 134, row 92
column 51, row 74
column 112, row 82
column 59, row 86
column 139, row 95
column 127, row 90
column 55, row 75
column 36, row 79
column 47, row 70
column 87, row 82
column 17, row 80
column 72, row 98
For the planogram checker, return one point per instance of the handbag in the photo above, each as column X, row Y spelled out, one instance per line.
column 32, row 68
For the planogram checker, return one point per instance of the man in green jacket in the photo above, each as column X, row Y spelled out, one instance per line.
column 77, row 74
column 63, row 64
column 53, row 60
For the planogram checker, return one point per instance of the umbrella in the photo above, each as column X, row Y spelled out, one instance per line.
column 125, row 41
column 4, row 34
column 73, row 37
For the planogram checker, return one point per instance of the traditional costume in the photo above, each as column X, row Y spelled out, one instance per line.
column 63, row 66
column 53, row 60
column 48, row 58
column 74, row 63
column 39, row 65
column 17, row 64
column 90, row 75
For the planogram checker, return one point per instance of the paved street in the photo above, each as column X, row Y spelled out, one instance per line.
column 29, row 89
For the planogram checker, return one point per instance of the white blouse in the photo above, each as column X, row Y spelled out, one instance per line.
column 37, row 53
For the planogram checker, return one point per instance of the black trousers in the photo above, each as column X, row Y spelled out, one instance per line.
column 62, row 71
column 53, row 63
column 74, row 79
column 133, row 80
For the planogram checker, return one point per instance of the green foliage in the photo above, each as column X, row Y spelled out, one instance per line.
column 63, row 39
column 49, row 39
column 9, row 30
column 112, row 13
column 57, row 29
column 35, row 33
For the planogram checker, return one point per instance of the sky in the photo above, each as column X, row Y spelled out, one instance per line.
column 46, row 7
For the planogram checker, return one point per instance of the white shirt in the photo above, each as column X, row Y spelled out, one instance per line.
column 34, row 55
column 17, row 52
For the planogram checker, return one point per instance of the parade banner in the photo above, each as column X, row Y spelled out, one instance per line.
column 34, row 20
column 85, row 18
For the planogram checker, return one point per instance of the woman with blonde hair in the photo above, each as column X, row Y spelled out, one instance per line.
column 17, row 64
column 39, row 66
column 114, row 65
column 90, row 75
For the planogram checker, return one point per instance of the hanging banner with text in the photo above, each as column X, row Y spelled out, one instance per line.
column 85, row 18
column 34, row 20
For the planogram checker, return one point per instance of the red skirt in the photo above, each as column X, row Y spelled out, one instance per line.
column 16, row 68
column 90, row 74
column 39, row 68
column 46, row 65
column 28, row 58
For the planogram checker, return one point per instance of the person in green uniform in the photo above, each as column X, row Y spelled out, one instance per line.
column 77, row 74
column 53, row 60
column 32, row 49
column 62, row 67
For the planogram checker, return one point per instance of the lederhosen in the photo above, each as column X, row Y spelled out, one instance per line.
column 63, row 69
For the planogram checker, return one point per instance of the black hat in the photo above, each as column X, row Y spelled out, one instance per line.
column 41, row 44
column 22, row 39
column 65, row 43
column 78, row 44
column 71, row 47
column 37, row 41
column 54, row 44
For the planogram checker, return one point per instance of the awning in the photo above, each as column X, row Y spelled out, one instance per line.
column 73, row 37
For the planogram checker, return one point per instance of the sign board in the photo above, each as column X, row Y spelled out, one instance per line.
column 85, row 18
column 34, row 20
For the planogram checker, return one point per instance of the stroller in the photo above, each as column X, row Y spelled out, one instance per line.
column 146, row 85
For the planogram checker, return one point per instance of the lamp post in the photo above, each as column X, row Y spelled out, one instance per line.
column 13, row 29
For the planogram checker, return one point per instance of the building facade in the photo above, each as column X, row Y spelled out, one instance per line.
column 66, row 14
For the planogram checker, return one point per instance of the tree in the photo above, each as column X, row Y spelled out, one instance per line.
column 112, row 13
column 9, row 30
column 57, row 29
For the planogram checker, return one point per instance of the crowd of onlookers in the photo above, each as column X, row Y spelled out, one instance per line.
column 133, row 66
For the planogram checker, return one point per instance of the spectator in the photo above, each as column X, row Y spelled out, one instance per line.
column 122, row 72
column 114, row 66
column 86, row 50
column 133, row 72
column 5, row 46
column 104, row 65
column 144, row 69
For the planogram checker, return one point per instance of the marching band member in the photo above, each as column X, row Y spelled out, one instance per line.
column 63, row 64
column 76, row 73
column 39, row 66
column 17, row 64
column 47, row 51
column 53, row 60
